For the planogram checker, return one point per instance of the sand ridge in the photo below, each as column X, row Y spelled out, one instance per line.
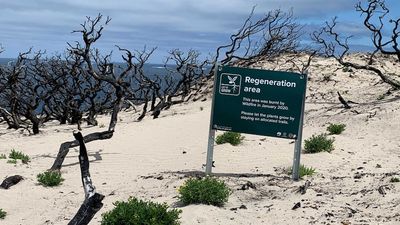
column 152, row 158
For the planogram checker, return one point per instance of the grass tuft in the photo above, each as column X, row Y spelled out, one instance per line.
column 50, row 178
column 12, row 161
column 230, row 137
column 303, row 171
column 394, row 179
column 3, row 156
column 336, row 128
column 19, row 155
column 2, row 214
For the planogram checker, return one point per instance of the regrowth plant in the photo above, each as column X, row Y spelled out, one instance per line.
column 3, row 156
column 12, row 161
column 50, row 178
column 230, row 137
column 136, row 211
column 394, row 179
column 336, row 128
column 19, row 155
column 319, row 143
column 303, row 171
column 2, row 214
column 209, row 191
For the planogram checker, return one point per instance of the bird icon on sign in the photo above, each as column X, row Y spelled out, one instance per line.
column 232, row 80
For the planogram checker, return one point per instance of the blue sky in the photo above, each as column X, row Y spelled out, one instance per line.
column 165, row 24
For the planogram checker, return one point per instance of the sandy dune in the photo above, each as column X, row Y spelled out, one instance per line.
column 152, row 158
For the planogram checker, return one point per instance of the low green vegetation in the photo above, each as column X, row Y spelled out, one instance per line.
column 19, row 155
column 208, row 190
column 380, row 97
column 3, row 156
column 394, row 179
column 303, row 171
column 12, row 161
column 336, row 128
column 347, row 69
column 2, row 214
column 318, row 143
column 136, row 211
column 50, row 178
column 327, row 77
column 230, row 137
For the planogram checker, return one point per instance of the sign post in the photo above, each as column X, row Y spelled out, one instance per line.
column 211, row 132
column 261, row 102
column 297, row 144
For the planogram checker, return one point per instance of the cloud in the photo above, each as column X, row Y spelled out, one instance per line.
column 168, row 24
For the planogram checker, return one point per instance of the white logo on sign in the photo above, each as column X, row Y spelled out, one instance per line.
column 232, row 80
column 230, row 84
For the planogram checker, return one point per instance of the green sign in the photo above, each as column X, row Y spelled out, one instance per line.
column 258, row 101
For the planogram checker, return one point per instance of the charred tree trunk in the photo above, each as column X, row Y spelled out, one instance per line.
column 93, row 201
column 143, row 111
column 63, row 119
column 153, row 101
column 35, row 126
column 64, row 148
column 117, row 107
column 90, row 119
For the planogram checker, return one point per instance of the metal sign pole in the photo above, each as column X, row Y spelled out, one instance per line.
column 210, row 151
column 211, row 132
column 297, row 145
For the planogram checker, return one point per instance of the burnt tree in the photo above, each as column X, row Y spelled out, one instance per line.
column 102, row 69
column 374, row 13
column 269, row 37
column 93, row 201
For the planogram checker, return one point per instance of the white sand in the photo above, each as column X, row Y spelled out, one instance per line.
column 140, row 152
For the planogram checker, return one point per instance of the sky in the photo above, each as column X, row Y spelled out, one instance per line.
column 201, row 25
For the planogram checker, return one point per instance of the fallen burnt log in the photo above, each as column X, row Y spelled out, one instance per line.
column 93, row 201
column 11, row 181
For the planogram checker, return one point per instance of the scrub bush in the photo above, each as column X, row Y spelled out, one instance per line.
column 318, row 143
column 50, row 178
column 230, row 137
column 138, row 212
column 336, row 128
column 209, row 191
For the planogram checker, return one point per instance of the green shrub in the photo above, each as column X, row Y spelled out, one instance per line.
column 303, row 171
column 208, row 191
column 50, row 178
column 336, row 128
column 229, row 137
column 3, row 156
column 12, row 161
column 142, row 213
column 347, row 69
column 380, row 97
column 19, row 155
column 318, row 143
column 394, row 179
column 2, row 214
